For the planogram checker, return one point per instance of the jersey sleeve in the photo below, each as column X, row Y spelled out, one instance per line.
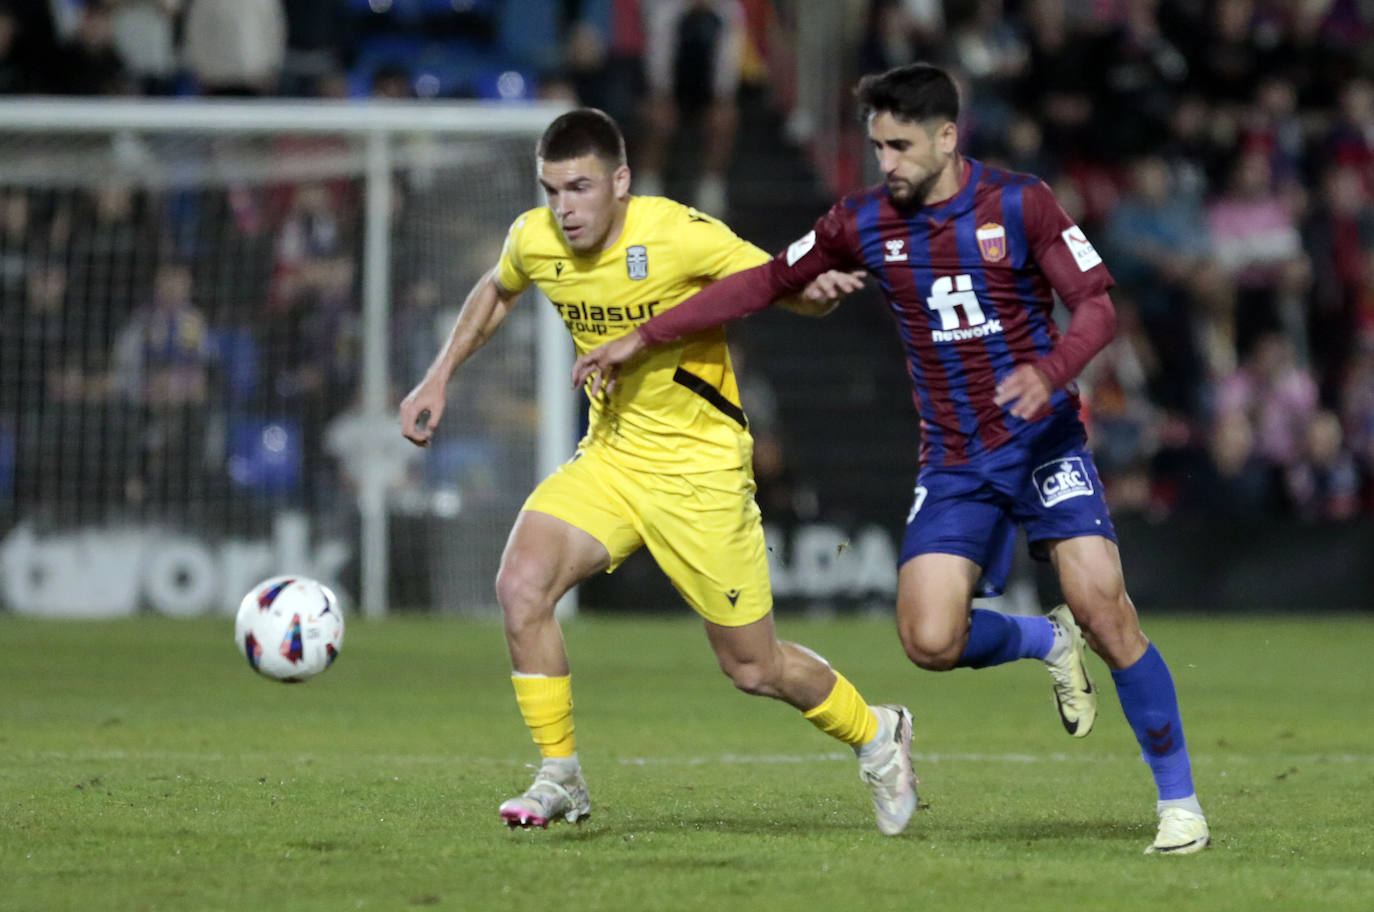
column 825, row 247
column 1063, row 252
column 711, row 250
column 509, row 271
column 742, row 293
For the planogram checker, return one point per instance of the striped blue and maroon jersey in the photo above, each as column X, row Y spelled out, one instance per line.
column 971, row 283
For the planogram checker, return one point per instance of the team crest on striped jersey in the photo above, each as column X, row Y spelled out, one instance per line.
column 637, row 262
column 992, row 241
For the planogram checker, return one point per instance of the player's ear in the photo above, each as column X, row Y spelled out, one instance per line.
column 620, row 181
column 947, row 137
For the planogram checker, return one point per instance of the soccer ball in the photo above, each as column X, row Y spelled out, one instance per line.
column 290, row 628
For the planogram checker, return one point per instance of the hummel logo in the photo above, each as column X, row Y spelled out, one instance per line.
column 733, row 596
column 557, row 269
column 1160, row 739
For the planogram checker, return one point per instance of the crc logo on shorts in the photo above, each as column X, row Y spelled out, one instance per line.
column 1061, row 479
column 637, row 262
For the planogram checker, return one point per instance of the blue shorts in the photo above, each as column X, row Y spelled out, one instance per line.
column 1047, row 483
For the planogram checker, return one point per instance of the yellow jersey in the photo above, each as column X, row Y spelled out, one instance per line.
column 676, row 409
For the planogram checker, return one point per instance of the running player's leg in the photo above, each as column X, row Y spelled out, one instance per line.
column 760, row 664
column 706, row 534
column 544, row 558
column 939, row 632
column 934, row 591
column 958, row 543
column 938, row 629
column 1090, row 575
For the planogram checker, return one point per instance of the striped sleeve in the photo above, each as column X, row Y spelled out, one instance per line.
column 1064, row 254
column 819, row 250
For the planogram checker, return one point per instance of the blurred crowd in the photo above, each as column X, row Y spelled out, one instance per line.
column 1220, row 153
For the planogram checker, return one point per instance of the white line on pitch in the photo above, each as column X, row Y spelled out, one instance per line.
column 729, row 759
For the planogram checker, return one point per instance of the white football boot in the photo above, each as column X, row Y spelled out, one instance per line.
column 1181, row 832
column 555, row 794
column 886, row 767
column 1074, row 693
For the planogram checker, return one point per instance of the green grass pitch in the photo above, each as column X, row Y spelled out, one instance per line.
column 144, row 766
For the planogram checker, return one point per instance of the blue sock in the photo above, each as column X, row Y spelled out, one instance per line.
column 995, row 638
column 1147, row 695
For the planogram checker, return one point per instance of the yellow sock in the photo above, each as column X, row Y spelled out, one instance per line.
column 844, row 715
column 546, row 704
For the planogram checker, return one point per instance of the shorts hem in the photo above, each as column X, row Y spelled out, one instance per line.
column 731, row 622
column 1038, row 550
column 943, row 549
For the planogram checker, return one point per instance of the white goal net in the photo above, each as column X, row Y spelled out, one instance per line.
column 208, row 313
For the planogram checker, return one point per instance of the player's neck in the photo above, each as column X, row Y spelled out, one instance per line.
column 950, row 181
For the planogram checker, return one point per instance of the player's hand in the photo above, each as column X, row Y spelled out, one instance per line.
column 602, row 364
column 824, row 293
column 1028, row 389
column 830, row 286
column 421, row 410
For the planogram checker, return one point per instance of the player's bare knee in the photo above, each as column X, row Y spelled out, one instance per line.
column 754, row 678
column 929, row 652
column 521, row 590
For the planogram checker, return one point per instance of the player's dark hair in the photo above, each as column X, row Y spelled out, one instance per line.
column 915, row 93
column 583, row 131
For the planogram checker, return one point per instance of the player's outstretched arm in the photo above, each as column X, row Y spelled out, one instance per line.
column 824, row 293
column 733, row 296
column 602, row 364
column 484, row 310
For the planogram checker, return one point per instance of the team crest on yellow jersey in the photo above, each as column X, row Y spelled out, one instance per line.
column 992, row 241
column 637, row 262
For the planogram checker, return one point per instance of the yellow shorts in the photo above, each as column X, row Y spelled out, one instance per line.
column 703, row 529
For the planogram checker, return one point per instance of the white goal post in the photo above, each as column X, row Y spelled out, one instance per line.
column 431, row 185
